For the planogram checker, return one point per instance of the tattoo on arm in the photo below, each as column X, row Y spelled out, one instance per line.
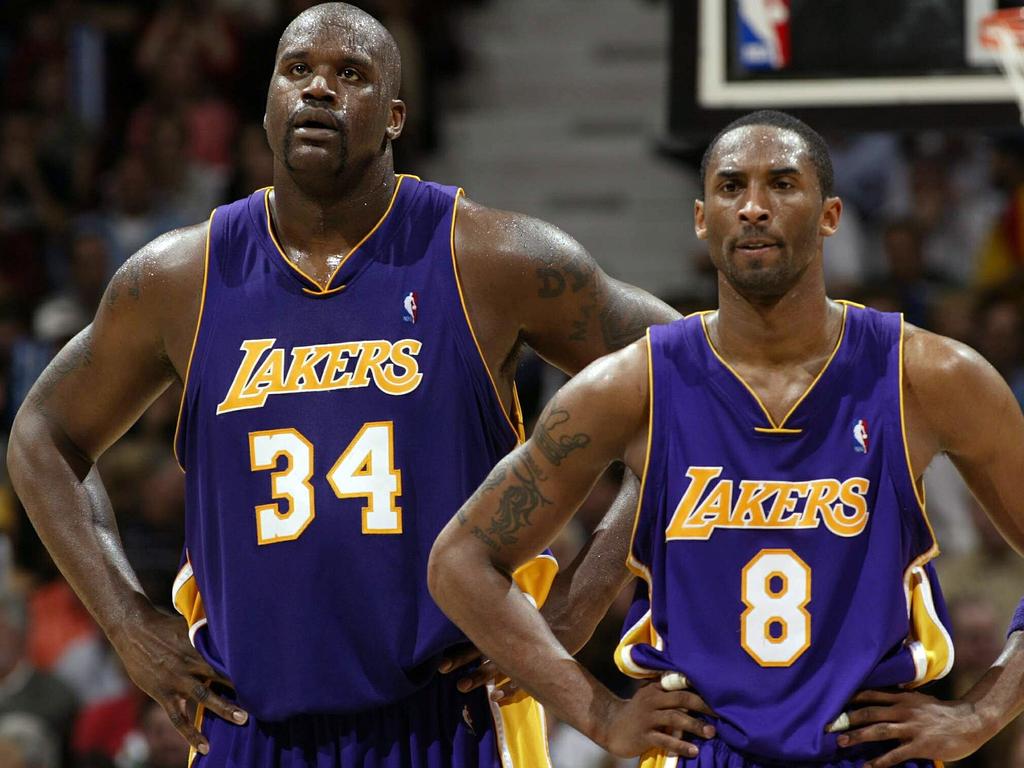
column 622, row 321
column 518, row 502
column 497, row 478
column 556, row 449
column 575, row 275
column 127, row 278
column 77, row 354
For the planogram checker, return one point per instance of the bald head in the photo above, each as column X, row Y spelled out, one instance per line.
column 353, row 25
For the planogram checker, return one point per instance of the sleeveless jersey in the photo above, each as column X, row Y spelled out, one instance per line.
column 328, row 433
column 784, row 565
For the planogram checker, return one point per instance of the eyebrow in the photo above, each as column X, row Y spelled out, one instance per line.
column 730, row 173
column 358, row 59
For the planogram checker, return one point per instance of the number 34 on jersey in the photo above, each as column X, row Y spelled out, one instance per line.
column 364, row 469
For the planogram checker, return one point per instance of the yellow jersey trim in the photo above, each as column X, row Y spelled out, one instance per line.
column 331, row 292
column 517, row 432
column 778, row 428
column 644, row 628
column 324, row 290
column 925, row 625
column 906, row 444
column 198, row 723
column 195, row 340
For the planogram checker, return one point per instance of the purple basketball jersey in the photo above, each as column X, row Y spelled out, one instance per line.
column 328, row 433
column 784, row 565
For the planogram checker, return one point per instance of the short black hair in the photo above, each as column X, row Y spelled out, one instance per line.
column 816, row 146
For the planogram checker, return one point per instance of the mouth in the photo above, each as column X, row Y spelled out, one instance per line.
column 315, row 124
column 757, row 246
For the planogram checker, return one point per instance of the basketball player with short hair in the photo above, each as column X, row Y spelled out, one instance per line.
column 781, row 537
column 347, row 341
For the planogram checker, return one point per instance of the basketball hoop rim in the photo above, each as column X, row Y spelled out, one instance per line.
column 1009, row 19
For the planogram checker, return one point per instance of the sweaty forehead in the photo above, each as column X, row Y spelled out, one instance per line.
column 350, row 32
column 759, row 145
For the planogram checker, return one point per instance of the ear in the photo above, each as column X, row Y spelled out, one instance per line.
column 699, row 226
column 397, row 121
column 831, row 211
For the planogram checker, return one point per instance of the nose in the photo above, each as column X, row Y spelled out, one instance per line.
column 755, row 208
column 319, row 89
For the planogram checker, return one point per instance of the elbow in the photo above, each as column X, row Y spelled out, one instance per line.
column 19, row 445
column 440, row 569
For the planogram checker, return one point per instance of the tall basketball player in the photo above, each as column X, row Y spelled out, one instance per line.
column 347, row 340
column 781, row 537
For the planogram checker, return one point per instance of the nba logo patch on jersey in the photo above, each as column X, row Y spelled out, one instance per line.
column 410, row 306
column 763, row 32
column 860, row 436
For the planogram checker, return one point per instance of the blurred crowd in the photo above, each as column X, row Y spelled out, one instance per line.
column 121, row 120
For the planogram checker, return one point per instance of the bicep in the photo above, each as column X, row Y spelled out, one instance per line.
column 984, row 441
column 537, row 280
column 575, row 328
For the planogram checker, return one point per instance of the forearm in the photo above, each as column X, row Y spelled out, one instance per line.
column 501, row 622
column 64, row 497
column 998, row 697
column 582, row 592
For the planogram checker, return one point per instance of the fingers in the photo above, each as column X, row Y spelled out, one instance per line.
column 895, row 757
column 670, row 744
column 202, row 670
column 458, row 657
column 869, row 715
column 878, row 697
column 678, row 723
column 487, row 672
column 877, row 732
column 201, row 694
column 841, row 723
column 175, row 709
column 684, row 700
column 505, row 691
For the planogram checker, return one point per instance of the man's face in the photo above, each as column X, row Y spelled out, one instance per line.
column 763, row 214
column 329, row 108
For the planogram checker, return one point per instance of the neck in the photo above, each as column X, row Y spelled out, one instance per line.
column 325, row 219
column 802, row 325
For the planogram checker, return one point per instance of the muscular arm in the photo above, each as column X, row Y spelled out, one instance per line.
column 527, row 282
column 600, row 416
column 584, row 589
column 956, row 403
column 92, row 392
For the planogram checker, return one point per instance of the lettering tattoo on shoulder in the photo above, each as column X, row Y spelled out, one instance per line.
column 520, row 499
column 127, row 279
column 566, row 273
column 576, row 275
column 557, row 448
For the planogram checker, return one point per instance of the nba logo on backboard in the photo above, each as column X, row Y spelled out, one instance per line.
column 763, row 29
column 860, row 436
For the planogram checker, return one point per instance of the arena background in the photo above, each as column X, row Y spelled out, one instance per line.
column 120, row 120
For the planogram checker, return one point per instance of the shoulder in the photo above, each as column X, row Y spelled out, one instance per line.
column 515, row 239
column 934, row 363
column 952, row 390
column 166, row 266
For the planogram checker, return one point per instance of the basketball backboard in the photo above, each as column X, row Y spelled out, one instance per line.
column 841, row 65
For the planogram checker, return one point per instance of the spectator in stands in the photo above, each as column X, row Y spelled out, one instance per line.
column 23, row 688
column 27, row 742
